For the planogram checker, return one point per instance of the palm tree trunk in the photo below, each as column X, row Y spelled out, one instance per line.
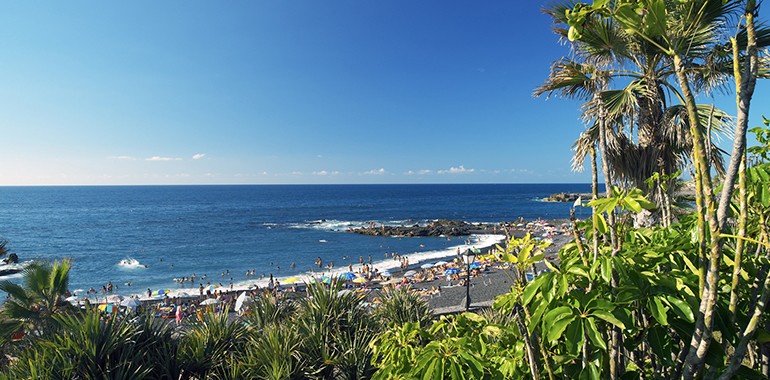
column 615, row 336
column 701, row 338
column 744, row 90
column 594, row 195
column 742, row 219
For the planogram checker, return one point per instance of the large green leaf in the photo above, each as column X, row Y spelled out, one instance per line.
column 593, row 334
column 556, row 329
column 608, row 317
column 600, row 223
column 657, row 310
column 681, row 308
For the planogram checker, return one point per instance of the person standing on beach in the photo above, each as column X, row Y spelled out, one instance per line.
column 178, row 315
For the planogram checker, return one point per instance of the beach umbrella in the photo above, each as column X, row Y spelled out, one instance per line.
column 210, row 301
column 410, row 273
column 291, row 280
column 114, row 298
column 73, row 300
column 242, row 299
column 452, row 271
column 359, row 280
column 475, row 265
column 161, row 292
column 440, row 263
column 391, row 281
column 426, row 266
column 386, row 274
column 183, row 294
column 130, row 303
column 347, row 276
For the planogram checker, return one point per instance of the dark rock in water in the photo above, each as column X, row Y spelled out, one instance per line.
column 436, row 228
column 564, row 197
column 11, row 259
column 9, row 271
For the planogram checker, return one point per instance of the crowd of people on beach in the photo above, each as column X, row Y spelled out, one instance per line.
column 367, row 277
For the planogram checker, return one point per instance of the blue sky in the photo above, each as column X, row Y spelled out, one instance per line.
column 299, row 91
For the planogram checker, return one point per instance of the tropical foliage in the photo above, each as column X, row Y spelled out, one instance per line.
column 685, row 298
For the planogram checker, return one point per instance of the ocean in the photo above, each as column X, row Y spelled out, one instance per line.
column 223, row 231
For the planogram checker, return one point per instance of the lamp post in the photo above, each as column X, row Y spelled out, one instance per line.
column 469, row 258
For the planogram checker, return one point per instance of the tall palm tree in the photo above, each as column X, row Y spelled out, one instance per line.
column 645, row 133
column 41, row 296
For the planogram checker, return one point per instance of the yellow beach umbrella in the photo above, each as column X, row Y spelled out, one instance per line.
column 359, row 280
column 291, row 280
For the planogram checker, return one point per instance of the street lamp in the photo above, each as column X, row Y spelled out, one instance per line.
column 469, row 257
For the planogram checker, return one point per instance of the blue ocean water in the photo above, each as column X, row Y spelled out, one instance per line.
column 180, row 230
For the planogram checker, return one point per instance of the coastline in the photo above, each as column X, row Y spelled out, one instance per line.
column 491, row 282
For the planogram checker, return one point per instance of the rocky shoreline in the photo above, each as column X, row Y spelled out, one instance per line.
column 436, row 228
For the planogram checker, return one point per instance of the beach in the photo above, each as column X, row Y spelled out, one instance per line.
column 444, row 296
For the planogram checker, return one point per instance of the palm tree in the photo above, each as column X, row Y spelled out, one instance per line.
column 400, row 306
column 336, row 330
column 86, row 346
column 644, row 133
column 34, row 304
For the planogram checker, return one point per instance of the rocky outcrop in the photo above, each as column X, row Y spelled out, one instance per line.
column 564, row 197
column 436, row 228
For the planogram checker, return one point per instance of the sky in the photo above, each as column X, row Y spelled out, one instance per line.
column 283, row 92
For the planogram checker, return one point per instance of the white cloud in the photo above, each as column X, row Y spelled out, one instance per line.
column 122, row 158
column 325, row 173
column 379, row 171
column 159, row 158
column 198, row 156
column 419, row 172
column 456, row 170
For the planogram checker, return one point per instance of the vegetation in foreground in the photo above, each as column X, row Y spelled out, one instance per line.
column 684, row 297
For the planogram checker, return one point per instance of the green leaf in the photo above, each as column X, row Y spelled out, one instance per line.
column 579, row 270
column 606, row 269
column 608, row 317
column 553, row 315
column 508, row 258
column 532, row 289
column 631, row 204
column 575, row 337
column 657, row 310
column 556, row 329
column 681, row 308
column 593, row 334
column 600, row 223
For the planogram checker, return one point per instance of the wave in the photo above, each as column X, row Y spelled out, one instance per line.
column 131, row 263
